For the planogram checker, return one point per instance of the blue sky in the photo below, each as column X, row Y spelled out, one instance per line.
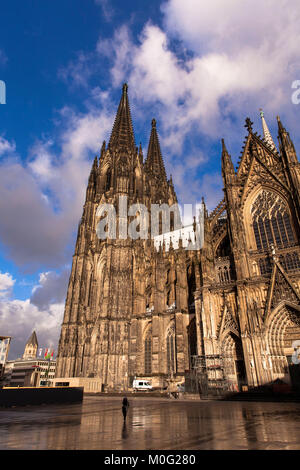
column 199, row 68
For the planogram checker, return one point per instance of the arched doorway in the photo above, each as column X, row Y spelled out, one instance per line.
column 233, row 361
column 283, row 336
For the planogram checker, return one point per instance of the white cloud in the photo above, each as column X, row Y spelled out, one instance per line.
column 77, row 72
column 52, row 289
column 42, row 312
column 6, row 284
column 120, row 51
column 6, row 147
column 30, row 230
column 41, row 200
column 107, row 10
column 233, row 25
column 191, row 91
column 228, row 60
column 18, row 318
column 243, row 52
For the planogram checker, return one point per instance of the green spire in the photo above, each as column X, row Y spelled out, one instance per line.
column 267, row 135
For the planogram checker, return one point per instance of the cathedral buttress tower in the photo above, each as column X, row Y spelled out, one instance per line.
column 129, row 309
column 94, row 335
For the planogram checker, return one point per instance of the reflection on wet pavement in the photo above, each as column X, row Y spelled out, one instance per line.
column 97, row 423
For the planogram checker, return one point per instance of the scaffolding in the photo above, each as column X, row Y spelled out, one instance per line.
column 208, row 374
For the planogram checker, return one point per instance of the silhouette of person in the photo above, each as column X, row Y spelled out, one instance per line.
column 125, row 406
column 124, row 431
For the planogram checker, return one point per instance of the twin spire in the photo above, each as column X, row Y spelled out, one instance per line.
column 154, row 163
column 122, row 133
column 123, row 136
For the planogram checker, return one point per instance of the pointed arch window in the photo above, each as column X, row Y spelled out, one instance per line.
column 192, row 336
column 223, row 249
column 191, row 281
column 108, row 180
column 290, row 261
column 122, row 175
column 271, row 221
column 148, row 352
column 171, row 356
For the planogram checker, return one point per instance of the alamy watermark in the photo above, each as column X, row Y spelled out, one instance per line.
column 2, row 92
column 296, row 95
column 164, row 224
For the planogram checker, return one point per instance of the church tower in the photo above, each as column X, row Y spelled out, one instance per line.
column 118, row 283
column 31, row 347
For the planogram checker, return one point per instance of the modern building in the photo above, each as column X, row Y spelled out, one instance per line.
column 229, row 309
column 4, row 349
column 29, row 371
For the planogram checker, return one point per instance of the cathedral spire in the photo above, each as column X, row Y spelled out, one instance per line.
column 285, row 143
column 93, row 170
column 227, row 165
column 154, row 162
column 284, row 135
column 122, row 133
column 267, row 135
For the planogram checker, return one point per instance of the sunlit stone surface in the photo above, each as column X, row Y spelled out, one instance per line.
column 97, row 423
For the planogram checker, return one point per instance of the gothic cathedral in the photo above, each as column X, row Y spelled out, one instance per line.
column 228, row 311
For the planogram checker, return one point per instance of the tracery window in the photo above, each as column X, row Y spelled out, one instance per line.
column 148, row 352
column 290, row 261
column 265, row 266
column 122, row 175
column 224, row 274
column 271, row 222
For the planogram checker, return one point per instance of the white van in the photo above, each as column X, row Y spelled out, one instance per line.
column 141, row 385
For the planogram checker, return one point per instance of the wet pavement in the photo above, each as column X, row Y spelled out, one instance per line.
column 164, row 424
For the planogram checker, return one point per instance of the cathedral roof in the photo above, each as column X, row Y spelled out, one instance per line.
column 122, row 133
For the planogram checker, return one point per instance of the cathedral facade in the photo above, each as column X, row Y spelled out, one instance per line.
column 229, row 310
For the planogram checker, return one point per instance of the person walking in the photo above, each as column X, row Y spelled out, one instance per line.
column 125, row 406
